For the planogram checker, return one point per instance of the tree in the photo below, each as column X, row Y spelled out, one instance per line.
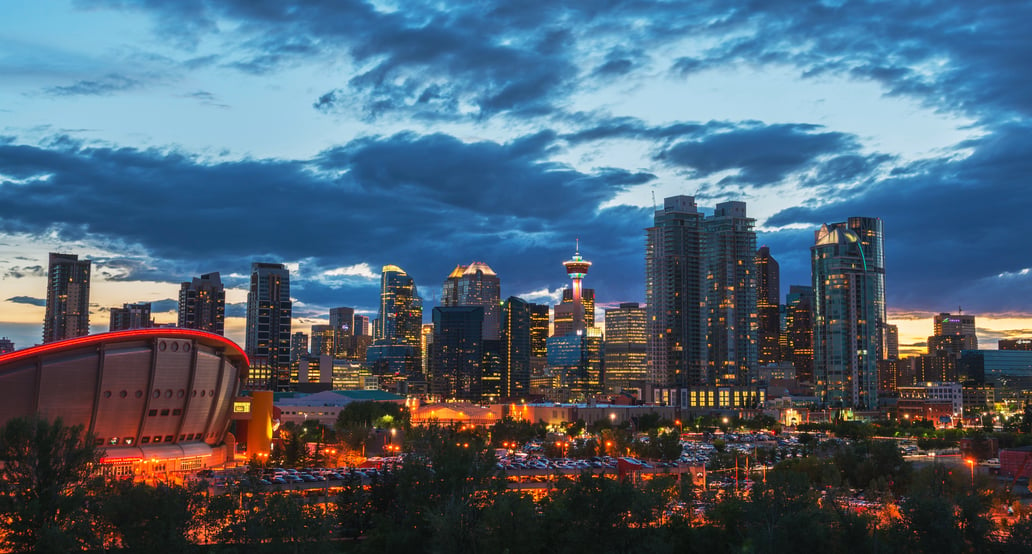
column 152, row 518
column 45, row 480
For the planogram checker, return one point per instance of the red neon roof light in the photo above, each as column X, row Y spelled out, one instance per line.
column 171, row 332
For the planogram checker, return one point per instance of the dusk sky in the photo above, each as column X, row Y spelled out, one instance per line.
column 165, row 139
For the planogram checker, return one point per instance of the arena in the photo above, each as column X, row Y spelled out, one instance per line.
column 158, row 401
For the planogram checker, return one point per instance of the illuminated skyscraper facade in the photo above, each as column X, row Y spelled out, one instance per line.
column 202, row 304
column 563, row 323
column 476, row 284
column 322, row 341
column 799, row 331
column 768, row 312
column 849, row 311
column 398, row 329
column 730, row 253
column 624, row 348
column 68, row 298
column 269, row 308
column 516, row 348
column 675, row 296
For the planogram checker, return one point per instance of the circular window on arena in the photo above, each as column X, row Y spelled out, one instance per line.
column 175, row 347
column 194, row 393
column 139, row 394
column 168, row 393
column 186, row 347
column 123, row 394
column 203, row 392
column 107, row 394
column 162, row 346
column 156, row 393
column 181, row 393
column 211, row 393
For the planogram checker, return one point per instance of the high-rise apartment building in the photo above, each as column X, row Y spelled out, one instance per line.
column 675, row 296
column 731, row 294
column 849, row 311
column 799, row 331
column 476, row 284
column 68, row 298
column 202, row 304
column 6, row 345
column 269, row 308
column 131, row 316
column 516, row 348
column 624, row 348
column 768, row 309
column 700, row 289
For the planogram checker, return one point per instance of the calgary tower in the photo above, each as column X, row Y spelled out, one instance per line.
column 577, row 268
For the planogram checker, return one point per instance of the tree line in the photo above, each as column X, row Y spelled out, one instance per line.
column 449, row 496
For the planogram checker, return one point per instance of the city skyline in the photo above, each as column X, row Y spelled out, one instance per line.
column 166, row 133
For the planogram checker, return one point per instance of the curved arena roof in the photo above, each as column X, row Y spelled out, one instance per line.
column 146, row 393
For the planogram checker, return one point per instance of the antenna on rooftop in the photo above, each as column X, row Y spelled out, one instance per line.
column 654, row 200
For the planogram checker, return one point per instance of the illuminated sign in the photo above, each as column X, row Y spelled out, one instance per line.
column 241, row 407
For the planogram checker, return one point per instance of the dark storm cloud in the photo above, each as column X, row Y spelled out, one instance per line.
column 970, row 57
column 433, row 59
column 17, row 272
column 108, row 84
column 28, row 300
column 422, row 202
column 763, row 154
column 955, row 228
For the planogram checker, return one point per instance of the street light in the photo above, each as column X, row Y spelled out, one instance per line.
column 971, row 464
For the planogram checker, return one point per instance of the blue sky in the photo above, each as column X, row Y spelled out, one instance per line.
column 168, row 139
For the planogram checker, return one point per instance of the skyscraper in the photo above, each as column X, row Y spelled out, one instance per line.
column 768, row 313
column 730, row 254
column 342, row 320
column 202, row 304
column 322, row 340
column 68, row 298
column 890, row 342
column 562, row 323
column 624, row 348
column 457, row 352
column 398, row 329
column 131, row 316
column 298, row 346
column 516, row 348
column 849, row 311
column 6, row 345
column 675, row 296
column 267, row 340
column 962, row 326
column 799, row 331
column 476, row 284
